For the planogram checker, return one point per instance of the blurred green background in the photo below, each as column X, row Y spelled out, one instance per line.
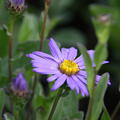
column 69, row 22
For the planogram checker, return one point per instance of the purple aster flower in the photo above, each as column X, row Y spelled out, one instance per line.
column 17, row 5
column 63, row 66
column 19, row 85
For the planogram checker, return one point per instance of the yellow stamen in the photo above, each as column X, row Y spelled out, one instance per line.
column 68, row 67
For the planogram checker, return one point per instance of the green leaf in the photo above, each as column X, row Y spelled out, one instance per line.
column 28, row 30
column 102, row 29
column 100, row 55
column 67, row 108
column 3, row 72
column 105, row 115
column 2, row 100
column 89, row 68
column 99, row 96
column 4, row 13
column 3, row 43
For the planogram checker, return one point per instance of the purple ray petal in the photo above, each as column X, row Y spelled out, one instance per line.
column 55, row 51
column 54, row 77
column 71, row 83
column 82, row 73
column 47, row 65
column 98, row 77
column 65, row 52
column 82, row 79
column 60, row 81
column 105, row 62
column 80, row 60
column 44, row 55
column 77, row 89
column 33, row 56
column 42, row 62
column 82, row 67
column 82, row 87
column 72, row 53
column 45, row 71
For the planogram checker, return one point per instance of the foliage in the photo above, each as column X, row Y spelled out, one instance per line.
column 26, row 39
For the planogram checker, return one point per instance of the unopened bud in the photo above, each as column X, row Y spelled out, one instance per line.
column 19, row 86
column 17, row 6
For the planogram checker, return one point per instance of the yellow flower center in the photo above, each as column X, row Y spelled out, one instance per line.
column 68, row 67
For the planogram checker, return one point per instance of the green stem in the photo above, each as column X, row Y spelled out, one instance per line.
column 10, row 49
column 55, row 103
column 89, row 111
column 42, row 34
column 10, row 46
column 88, row 116
column 42, row 37
column 33, row 89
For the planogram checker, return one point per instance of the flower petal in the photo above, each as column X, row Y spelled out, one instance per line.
column 44, row 64
column 65, row 52
column 82, row 86
column 98, row 77
column 71, row 83
column 82, row 79
column 72, row 53
column 82, row 73
column 55, row 51
column 54, row 77
column 33, row 56
column 60, row 81
column 44, row 55
column 80, row 60
column 69, row 54
column 45, row 71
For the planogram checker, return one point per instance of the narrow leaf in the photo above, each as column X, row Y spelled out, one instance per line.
column 105, row 115
column 66, row 110
column 99, row 96
column 89, row 68
column 100, row 55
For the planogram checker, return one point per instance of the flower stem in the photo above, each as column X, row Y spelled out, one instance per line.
column 89, row 111
column 42, row 34
column 10, row 46
column 42, row 37
column 88, row 115
column 55, row 103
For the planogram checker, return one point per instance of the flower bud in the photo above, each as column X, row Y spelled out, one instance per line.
column 19, row 86
column 16, row 6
